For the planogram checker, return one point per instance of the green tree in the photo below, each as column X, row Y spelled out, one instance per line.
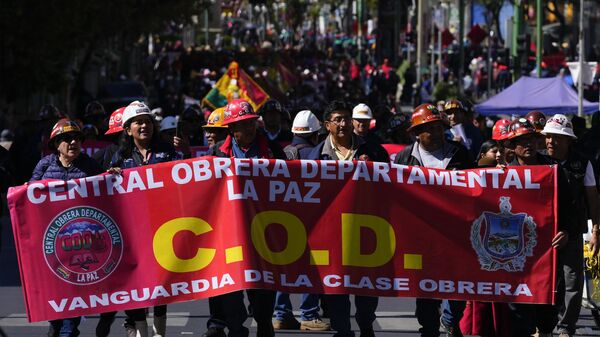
column 46, row 46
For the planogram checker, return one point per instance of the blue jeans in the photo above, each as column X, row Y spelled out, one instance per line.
column 428, row 314
column 339, row 312
column 65, row 327
column 452, row 312
column 309, row 307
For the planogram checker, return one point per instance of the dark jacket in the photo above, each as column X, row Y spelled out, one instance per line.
column 300, row 148
column 573, row 170
column 284, row 135
column 460, row 158
column 6, row 171
column 473, row 135
column 267, row 148
column 104, row 156
column 50, row 167
column 566, row 212
column 362, row 148
column 160, row 152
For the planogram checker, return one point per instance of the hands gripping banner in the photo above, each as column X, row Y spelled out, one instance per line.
column 193, row 229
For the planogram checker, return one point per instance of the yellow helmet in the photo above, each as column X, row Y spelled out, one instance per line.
column 215, row 120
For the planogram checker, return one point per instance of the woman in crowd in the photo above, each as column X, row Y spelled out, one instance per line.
column 488, row 154
column 141, row 145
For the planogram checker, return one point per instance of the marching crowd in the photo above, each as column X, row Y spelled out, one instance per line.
column 442, row 136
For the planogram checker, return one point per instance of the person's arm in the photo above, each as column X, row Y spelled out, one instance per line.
column 593, row 202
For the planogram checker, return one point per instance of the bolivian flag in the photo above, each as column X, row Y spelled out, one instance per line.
column 235, row 83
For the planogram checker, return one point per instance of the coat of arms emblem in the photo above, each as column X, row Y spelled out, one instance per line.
column 503, row 240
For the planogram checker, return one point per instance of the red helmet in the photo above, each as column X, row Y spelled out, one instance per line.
column 520, row 127
column 425, row 113
column 501, row 130
column 238, row 110
column 115, row 123
column 63, row 126
column 537, row 119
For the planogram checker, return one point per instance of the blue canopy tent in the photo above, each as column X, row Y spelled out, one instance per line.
column 548, row 95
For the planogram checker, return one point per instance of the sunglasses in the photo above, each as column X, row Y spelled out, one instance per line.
column 69, row 138
column 341, row 119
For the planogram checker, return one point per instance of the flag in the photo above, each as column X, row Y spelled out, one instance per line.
column 236, row 83
column 287, row 79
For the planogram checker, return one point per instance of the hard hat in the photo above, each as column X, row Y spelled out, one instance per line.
column 559, row 125
column 274, row 105
column 423, row 114
column 62, row 127
column 537, row 119
column 520, row 127
column 238, row 110
column 501, row 129
column 168, row 123
column 215, row 119
column 191, row 113
column 94, row 108
column 115, row 122
column 454, row 104
column 399, row 121
column 134, row 109
column 305, row 122
column 270, row 105
column 362, row 111
column 50, row 111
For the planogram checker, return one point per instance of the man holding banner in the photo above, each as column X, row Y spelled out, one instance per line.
column 526, row 317
column 343, row 144
column 431, row 150
column 243, row 141
column 582, row 187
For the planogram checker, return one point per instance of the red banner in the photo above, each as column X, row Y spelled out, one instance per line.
column 206, row 226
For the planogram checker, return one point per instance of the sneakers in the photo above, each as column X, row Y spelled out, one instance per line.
column 315, row 325
column 214, row 332
column 286, row 324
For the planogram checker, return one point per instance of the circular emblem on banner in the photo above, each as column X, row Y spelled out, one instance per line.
column 83, row 245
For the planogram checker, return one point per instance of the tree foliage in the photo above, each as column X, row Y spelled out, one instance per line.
column 40, row 40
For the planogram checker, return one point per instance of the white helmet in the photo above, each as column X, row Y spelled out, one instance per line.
column 559, row 125
column 135, row 108
column 168, row 123
column 305, row 122
column 362, row 111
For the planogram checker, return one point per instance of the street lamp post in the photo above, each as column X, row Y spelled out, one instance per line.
column 461, row 43
column 581, row 57
column 432, row 44
column 420, row 34
column 538, row 38
column 489, row 62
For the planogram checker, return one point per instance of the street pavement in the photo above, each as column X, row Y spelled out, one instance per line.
column 395, row 316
